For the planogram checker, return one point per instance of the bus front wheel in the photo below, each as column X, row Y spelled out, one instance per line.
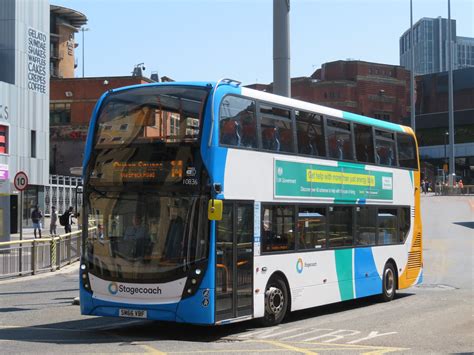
column 276, row 302
column 389, row 283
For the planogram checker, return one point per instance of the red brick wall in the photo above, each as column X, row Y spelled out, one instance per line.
column 67, row 141
column 358, row 87
column 85, row 93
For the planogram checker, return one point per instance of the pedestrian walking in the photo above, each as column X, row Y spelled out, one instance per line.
column 66, row 220
column 54, row 221
column 36, row 217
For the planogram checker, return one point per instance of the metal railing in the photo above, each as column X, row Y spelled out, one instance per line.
column 28, row 257
column 448, row 190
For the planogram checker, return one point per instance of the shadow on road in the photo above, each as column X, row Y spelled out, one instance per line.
column 341, row 307
column 465, row 224
column 102, row 330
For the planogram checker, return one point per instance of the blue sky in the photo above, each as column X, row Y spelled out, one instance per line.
column 210, row 39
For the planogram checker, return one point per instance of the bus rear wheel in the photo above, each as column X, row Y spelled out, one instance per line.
column 276, row 302
column 389, row 283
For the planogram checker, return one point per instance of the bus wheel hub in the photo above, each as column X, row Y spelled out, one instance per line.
column 275, row 300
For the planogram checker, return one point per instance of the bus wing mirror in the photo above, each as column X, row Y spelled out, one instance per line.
column 214, row 210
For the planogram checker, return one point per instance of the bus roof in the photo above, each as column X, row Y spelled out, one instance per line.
column 282, row 100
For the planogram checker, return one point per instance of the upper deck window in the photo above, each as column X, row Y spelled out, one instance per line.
column 167, row 114
column 364, row 143
column 310, row 134
column 407, row 151
column 238, row 123
column 385, row 148
column 339, row 140
column 277, row 132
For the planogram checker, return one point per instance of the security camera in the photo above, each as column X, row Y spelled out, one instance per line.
column 143, row 68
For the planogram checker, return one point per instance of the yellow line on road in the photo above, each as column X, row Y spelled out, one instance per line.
column 151, row 350
column 286, row 346
column 374, row 349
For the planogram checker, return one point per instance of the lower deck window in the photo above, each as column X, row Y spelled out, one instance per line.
column 316, row 227
column 387, row 226
column 278, row 229
column 340, row 227
column 311, row 228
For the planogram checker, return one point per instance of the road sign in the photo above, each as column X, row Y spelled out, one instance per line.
column 21, row 181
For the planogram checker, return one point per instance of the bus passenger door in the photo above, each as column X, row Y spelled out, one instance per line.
column 234, row 261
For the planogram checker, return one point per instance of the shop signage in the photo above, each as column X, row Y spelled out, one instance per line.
column 3, row 172
column 37, row 60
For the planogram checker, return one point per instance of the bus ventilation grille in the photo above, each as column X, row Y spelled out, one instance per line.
column 414, row 260
column 413, row 212
column 417, row 242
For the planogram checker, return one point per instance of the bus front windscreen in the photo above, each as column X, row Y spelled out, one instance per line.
column 146, row 188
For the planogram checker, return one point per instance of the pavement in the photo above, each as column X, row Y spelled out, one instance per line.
column 28, row 232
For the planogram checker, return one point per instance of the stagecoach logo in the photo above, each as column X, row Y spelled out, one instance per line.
column 299, row 265
column 113, row 288
column 280, row 171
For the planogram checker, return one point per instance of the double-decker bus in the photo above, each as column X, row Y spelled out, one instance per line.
column 211, row 203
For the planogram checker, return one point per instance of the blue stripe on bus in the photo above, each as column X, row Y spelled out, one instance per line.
column 90, row 133
column 215, row 159
column 367, row 280
column 372, row 122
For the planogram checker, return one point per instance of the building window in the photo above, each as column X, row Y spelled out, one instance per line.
column 33, row 144
column 59, row 114
column 3, row 139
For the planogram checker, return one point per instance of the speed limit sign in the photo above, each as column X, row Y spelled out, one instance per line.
column 20, row 181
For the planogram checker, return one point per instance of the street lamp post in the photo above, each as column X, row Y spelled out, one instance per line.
column 83, row 29
column 446, row 134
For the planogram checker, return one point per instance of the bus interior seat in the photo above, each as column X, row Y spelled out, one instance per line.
column 304, row 144
column 347, row 149
column 174, row 240
column 230, row 133
column 270, row 139
column 249, row 134
column 286, row 140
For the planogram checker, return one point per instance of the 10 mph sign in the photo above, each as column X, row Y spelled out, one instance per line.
column 20, row 181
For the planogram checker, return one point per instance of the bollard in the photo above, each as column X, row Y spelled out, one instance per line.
column 53, row 254
column 68, row 250
column 33, row 257
column 58, row 256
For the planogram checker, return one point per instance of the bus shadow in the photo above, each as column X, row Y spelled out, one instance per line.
column 465, row 224
column 341, row 307
column 102, row 330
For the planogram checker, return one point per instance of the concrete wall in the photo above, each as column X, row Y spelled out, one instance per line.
column 24, row 101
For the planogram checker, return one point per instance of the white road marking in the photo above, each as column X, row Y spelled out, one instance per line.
column 335, row 335
column 372, row 335
column 304, row 333
column 291, row 330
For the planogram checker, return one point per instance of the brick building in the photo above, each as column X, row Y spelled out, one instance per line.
column 72, row 101
column 371, row 89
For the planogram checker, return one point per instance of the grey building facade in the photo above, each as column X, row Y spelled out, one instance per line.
column 431, row 47
column 24, row 108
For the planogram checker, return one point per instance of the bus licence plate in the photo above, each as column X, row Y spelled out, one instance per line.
column 133, row 313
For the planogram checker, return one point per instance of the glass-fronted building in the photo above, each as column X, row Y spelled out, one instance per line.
column 430, row 38
column 24, row 107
